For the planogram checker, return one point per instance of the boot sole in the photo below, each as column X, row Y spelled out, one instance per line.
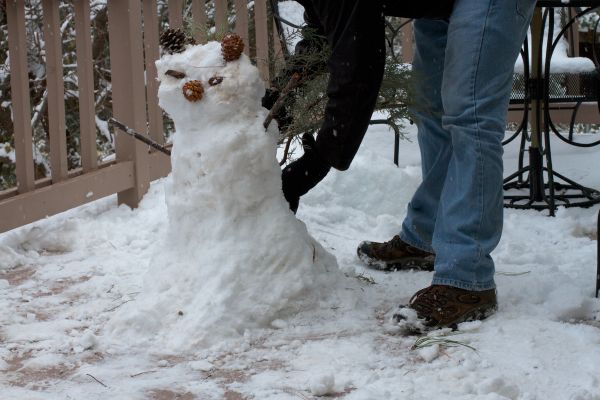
column 417, row 263
column 478, row 314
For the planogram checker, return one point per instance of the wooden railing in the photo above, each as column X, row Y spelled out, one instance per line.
column 133, row 30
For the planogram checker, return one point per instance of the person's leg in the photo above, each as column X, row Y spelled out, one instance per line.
column 412, row 248
column 434, row 140
column 483, row 42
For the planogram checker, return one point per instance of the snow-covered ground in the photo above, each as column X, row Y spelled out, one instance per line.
column 63, row 278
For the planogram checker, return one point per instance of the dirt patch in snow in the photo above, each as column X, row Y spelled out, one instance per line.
column 34, row 378
column 17, row 276
column 162, row 394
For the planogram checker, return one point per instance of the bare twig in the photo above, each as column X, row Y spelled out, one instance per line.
column 94, row 378
column 291, row 85
column 39, row 109
column 295, row 392
column 127, row 130
column 286, row 151
column 141, row 373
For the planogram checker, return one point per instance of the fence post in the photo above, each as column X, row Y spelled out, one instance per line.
column 262, row 38
column 128, row 90
column 151, row 52
column 56, row 91
column 19, row 84
column 199, row 20
column 407, row 42
column 175, row 14
column 241, row 23
column 85, row 80
column 221, row 24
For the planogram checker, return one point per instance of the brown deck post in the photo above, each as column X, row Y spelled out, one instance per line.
column 85, row 79
column 407, row 42
column 262, row 38
column 221, row 25
column 56, row 91
column 278, row 51
column 176, row 14
column 151, row 47
column 573, row 34
column 129, row 95
column 19, row 84
column 241, row 22
column 199, row 19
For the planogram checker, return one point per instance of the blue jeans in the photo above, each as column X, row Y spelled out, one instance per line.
column 463, row 70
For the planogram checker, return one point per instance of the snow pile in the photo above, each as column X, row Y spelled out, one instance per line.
column 322, row 385
column 234, row 257
column 53, row 342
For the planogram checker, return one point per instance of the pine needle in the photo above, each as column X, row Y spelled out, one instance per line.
column 366, row 279
column 427, row 341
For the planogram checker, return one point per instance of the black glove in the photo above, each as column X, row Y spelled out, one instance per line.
column 304, row 173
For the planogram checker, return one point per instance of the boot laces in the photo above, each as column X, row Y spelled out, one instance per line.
column 396, row 242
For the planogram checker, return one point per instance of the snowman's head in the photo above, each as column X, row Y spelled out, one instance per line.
column 198, row 84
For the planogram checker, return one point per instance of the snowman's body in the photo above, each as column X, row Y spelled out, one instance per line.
column 235, row 257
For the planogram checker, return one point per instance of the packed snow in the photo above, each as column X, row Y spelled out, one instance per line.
column 63, row 279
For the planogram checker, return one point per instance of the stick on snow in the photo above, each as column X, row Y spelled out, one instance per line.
column 138, row 136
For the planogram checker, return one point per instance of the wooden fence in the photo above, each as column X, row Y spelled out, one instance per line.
column 133, row 30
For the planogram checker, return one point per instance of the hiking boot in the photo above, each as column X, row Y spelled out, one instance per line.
column 440, row 306
column 394, row 255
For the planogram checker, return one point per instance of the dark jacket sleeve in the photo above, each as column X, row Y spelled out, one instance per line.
column 356, row 37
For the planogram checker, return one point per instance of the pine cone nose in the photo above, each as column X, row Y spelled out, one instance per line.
column 193, row 90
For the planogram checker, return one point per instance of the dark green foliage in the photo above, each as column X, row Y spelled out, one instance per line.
column 306, row 107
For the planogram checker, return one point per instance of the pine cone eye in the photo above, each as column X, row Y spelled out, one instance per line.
column 215, row 80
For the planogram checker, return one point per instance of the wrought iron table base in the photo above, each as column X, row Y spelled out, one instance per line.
column 568, row 194
column 546, row 194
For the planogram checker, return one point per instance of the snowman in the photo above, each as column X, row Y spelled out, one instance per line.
column 234, row 257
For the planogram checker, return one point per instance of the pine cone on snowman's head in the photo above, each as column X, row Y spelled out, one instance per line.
column 193, row 90
column 232, row 47
column 173, row 41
